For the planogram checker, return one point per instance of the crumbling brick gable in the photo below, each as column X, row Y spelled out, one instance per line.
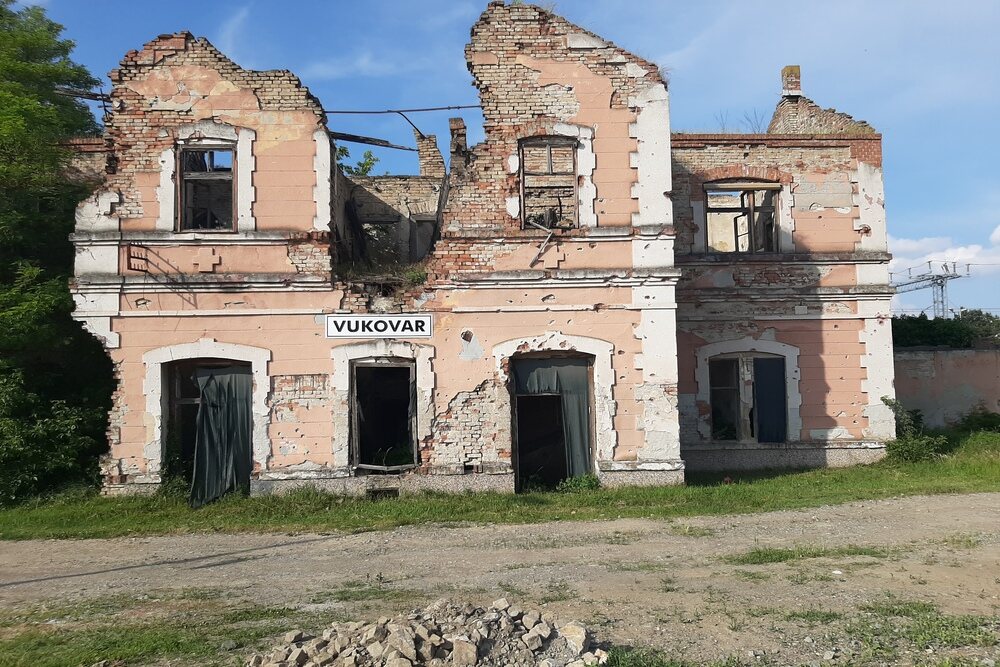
column 800, row 115
column 538, row 74
column 149, row 102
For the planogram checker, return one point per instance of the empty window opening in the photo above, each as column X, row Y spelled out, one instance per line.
column 552, row 421
column 741, row 217
column 748, row 398
column 549, row 183
column 206, row 189
column 384, row 416
column 208, row 442
column 541, row 447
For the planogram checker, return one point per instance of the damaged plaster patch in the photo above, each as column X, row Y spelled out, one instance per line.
column 514, row 207
column 471, row 349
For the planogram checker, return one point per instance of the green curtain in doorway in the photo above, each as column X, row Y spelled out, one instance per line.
column 570, row 378
column 222, row 450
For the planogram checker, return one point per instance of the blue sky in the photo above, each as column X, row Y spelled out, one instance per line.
column 924, row 73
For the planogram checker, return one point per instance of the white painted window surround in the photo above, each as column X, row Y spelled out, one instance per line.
column 343, row 355
column 749, row 346
column 209, row 133
column 586, row 163
column 154, row 387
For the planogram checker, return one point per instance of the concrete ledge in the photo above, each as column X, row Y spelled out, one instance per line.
column 725, row 458
column 614, row 479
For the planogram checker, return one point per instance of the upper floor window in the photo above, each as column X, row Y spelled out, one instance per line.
column 741, row 217
column 548, row 183
column 205, row 175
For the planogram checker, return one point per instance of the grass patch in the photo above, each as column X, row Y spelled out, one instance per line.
column 365, row 591
column 973, row 466
column 168, row 628
column 764, row 555
column 885, row 628
column 644, row 657
column 635, row 565
column 558, row 591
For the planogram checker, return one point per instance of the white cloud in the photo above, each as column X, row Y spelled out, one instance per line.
column 361, row 65
column 231, row 35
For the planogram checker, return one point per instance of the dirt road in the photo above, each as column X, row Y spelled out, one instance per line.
column 672, row 585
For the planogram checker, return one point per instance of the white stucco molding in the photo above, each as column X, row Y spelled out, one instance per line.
column 793, row 394
column 324, row 175
column 342, row 355
column 605, row 438
column 654, row 181
column 880, row 365
column 154, row 388
column 208, row 131
column 870, row 200
column 96, row 310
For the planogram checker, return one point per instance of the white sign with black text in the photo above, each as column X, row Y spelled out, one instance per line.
column 379, row 326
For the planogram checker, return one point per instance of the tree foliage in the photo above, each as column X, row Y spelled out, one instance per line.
column 961, row 332
column 55, row 380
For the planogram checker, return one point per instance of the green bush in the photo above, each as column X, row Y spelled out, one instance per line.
column 980, row 419
column 909, row 423
column 916, row 448
column 588, row 482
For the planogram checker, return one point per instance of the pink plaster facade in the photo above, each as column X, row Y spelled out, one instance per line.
column 629, row 287
column 946, row 385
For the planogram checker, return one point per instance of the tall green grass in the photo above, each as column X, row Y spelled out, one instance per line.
column 972, row 466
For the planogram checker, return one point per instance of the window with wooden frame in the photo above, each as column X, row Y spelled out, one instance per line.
column 206, row 188
column 741, row 217
column 548, row 183
column 383, row 414
column 748, row 397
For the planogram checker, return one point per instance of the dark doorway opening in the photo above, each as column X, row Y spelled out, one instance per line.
column 551, row 404
column 384, row 416
column 541, row 447
column 208, row 445
column 769, row 398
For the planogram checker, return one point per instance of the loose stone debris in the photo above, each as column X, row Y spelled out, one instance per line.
column 444, row 633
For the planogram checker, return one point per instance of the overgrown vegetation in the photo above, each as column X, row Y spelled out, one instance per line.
column 55, row 380
column 972, row 464
column 911, row 443
column 961, row 332
column 762, row 555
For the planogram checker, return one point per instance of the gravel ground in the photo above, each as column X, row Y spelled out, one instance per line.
column 638, row 582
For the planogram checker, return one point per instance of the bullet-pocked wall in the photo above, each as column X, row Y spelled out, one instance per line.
column 592, row 305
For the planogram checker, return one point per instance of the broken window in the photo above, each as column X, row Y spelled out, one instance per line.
column 748, row 398
column 206, row 189
column 548, row 183
column 383, row 410
column 741, row 217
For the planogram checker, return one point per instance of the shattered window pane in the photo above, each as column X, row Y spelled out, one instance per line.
column 548, row 181
column 206, row 192
column 741, row 220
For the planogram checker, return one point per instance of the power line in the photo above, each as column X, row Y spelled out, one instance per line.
column 361, row 111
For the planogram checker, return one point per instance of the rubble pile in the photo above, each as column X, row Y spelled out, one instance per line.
column 444, row 633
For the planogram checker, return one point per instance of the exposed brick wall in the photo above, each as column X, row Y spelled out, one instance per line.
column 466, row 433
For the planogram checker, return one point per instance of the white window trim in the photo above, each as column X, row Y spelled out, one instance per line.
column 154, row 387
column 586, row 163
column 210, row 133
column 343, row 355
column 793, row 396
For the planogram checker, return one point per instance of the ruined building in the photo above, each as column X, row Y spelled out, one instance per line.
column 582, row 293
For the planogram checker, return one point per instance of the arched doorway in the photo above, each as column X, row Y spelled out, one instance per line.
column 209, row 436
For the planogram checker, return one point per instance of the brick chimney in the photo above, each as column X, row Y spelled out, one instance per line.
column 459, row 147
column 429, row 155
column 791, row 81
